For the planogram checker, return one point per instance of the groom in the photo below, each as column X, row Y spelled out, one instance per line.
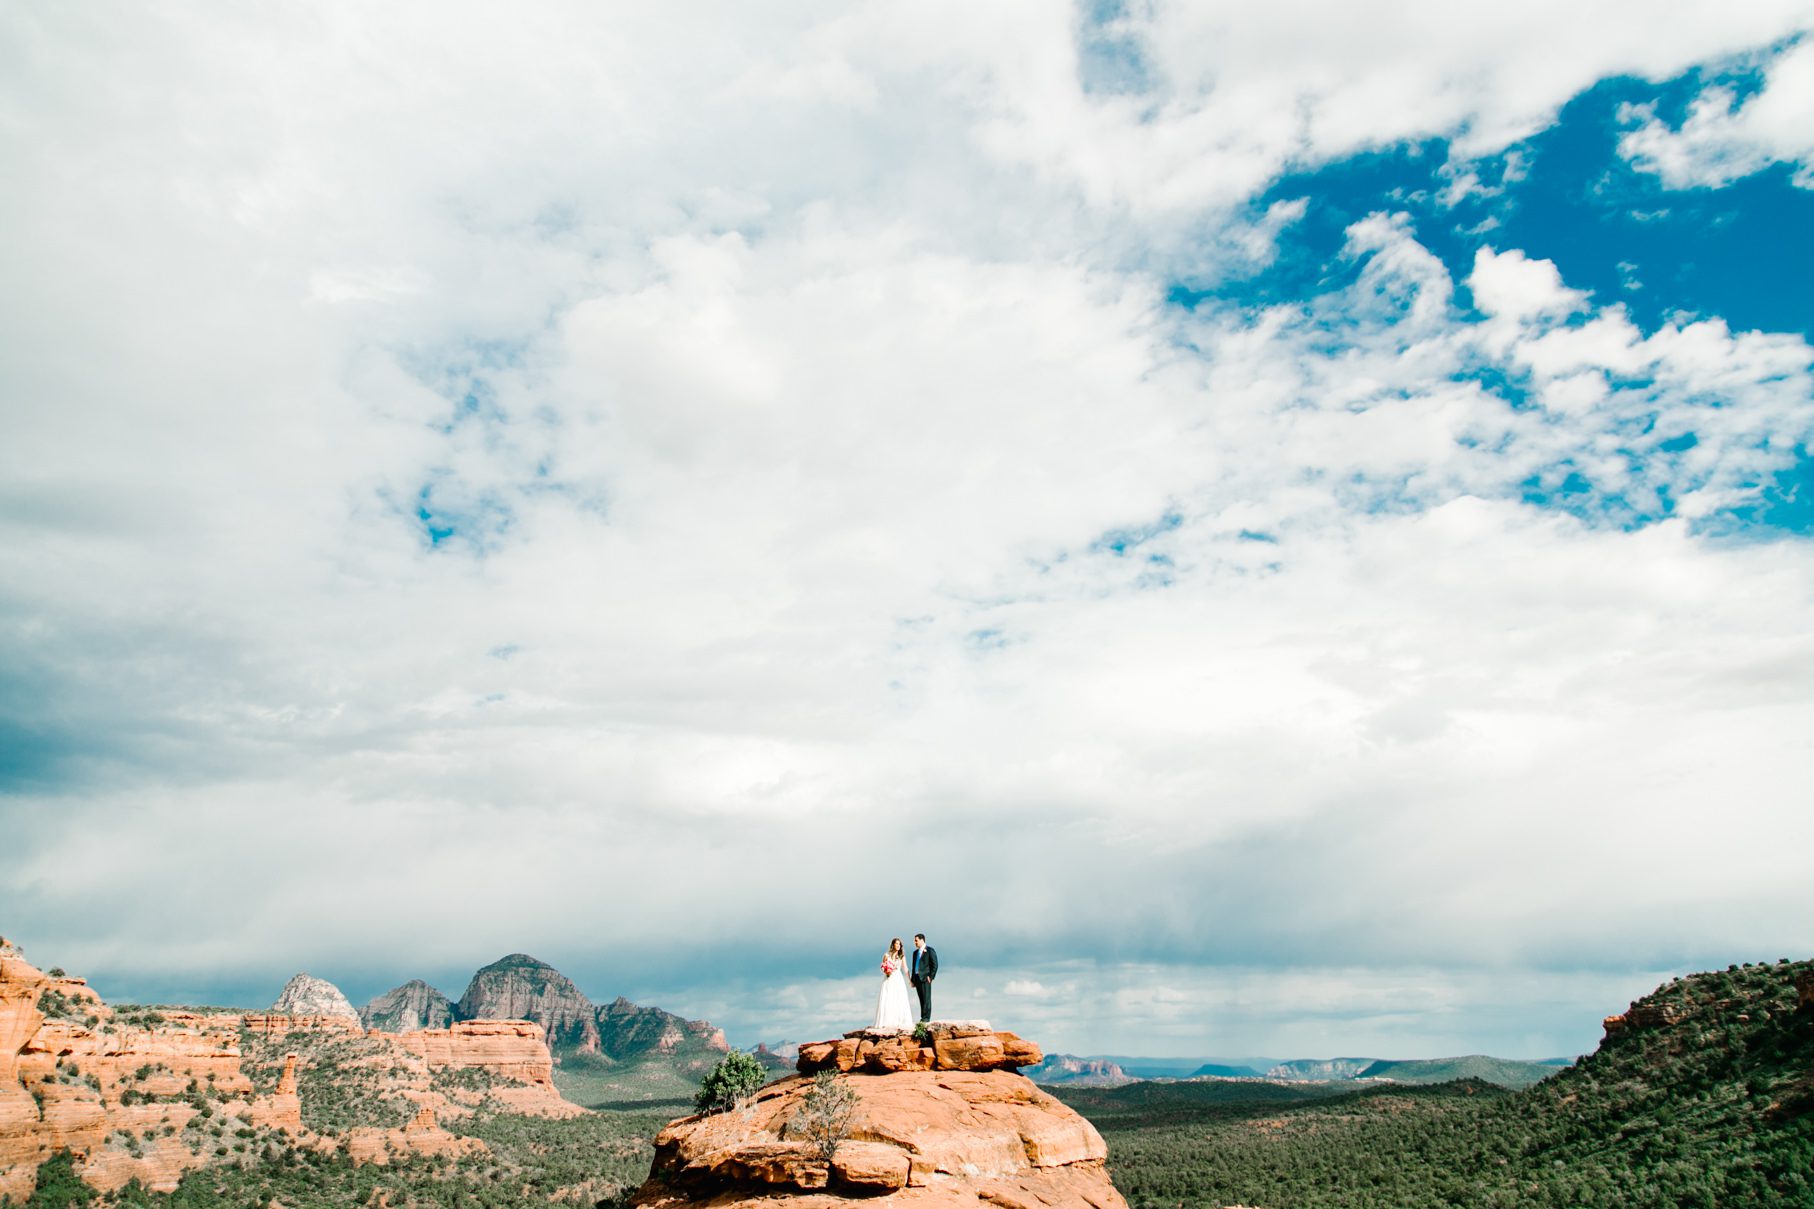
column 923, row 968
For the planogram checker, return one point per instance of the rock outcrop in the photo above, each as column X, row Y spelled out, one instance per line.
column 1804, row 993
column 414, row 1005
column 276, row 1024
column 423, row 1136
column 513, row 1051
column 1644, row 1015
column 628, row 1031
column 519, row 987
column 306, row 995
column 957, row 1135
column 951, row 1047
column 22, row 1145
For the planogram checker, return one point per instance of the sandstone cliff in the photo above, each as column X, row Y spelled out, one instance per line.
column 140, row 1095
column 306, row 995
column 514, row 1053
column 944, row 1123
column 414, row 1005
column 519, row 987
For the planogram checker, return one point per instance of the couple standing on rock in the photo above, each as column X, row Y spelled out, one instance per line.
column 898, row 968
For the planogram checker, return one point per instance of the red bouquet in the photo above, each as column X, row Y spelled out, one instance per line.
column 887, row 967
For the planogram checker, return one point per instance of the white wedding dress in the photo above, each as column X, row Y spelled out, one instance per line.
column 892, row 1010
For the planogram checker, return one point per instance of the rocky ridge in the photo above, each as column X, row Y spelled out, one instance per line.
column 306, row 995
column 942, row 1121
column 414, row 1005
column 628, row 1031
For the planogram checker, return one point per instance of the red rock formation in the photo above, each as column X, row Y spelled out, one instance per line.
column 282, row 1109
column 515, row 1050
column 947, row 1047
column 920, row 1138
column 276, row 1024
column 423, row 1135
column 22, row 1147
column 83, row 1081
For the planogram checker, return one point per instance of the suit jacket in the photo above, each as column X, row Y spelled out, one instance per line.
column 927, row 966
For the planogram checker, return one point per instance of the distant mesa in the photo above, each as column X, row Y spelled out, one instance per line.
column 1066, row 1070
column 306, row 995
column 1320, row 1070
column 1222, row 1070
column 945, row 1122
column 414, row 1005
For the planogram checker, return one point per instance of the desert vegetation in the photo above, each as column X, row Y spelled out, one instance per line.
column 1702, row 1098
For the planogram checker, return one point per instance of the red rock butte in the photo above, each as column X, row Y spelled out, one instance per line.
column 943, row 1120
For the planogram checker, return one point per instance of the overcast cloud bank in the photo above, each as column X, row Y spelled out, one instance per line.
column 691, row 496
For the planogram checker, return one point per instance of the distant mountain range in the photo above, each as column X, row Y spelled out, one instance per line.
column 1067, row 1070
column 621, row 1051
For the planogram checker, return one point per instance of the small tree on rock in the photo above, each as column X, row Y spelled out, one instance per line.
column 734, row 1080
column 825, row 1114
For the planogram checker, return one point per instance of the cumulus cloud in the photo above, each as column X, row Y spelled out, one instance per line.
column 1724, row 137
column 693, row 498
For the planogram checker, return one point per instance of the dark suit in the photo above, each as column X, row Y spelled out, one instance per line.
column 923, row 967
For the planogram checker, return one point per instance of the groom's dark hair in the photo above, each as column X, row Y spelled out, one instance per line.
column 919, row 936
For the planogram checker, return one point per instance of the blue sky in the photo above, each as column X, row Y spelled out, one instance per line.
column 1301, row 512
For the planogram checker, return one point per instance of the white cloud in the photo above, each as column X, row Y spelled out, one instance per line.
column 797, row 402
column 1724, row 138
column 1511, row 286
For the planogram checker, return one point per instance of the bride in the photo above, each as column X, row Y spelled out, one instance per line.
column 892, row 1011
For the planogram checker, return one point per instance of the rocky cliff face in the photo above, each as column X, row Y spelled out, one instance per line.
column 414, row 1005
column 306, row 995
column 627, row 1032
column 519, row 987
column 954, row 1134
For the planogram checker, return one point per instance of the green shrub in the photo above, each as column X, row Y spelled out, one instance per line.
column 59, row 1187
column 825, row 1114
column 733, row 1080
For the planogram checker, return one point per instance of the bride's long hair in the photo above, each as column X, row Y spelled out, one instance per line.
column 895, row 950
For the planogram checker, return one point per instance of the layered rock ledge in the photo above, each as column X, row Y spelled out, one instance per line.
column 945, row 1122
column 965, row 1046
